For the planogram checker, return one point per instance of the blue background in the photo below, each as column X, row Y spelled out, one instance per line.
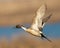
column 50, row 30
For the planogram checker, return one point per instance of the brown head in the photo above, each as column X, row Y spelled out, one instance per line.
column 19, row 26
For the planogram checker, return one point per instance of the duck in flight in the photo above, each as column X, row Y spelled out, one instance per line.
column 39, row 21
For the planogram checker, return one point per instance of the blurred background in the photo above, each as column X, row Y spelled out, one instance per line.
column 13, row 12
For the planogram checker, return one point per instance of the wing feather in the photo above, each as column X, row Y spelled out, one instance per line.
column 44, row 20
column 37, row 22
column 47, row 18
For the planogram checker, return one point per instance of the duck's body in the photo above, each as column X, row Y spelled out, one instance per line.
column 34, row 32
column 39, row 21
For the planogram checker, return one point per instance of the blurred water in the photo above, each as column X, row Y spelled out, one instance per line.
column 50, row 30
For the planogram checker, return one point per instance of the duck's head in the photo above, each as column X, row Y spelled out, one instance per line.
column 19, row 26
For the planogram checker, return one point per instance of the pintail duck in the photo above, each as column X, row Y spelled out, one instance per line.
column 39, row 21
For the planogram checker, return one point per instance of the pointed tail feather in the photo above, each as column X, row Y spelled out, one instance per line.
column 42, row 36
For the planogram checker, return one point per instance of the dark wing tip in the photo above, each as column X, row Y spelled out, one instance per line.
column 47, row 18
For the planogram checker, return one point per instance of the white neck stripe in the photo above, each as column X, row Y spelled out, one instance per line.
column 23, row 28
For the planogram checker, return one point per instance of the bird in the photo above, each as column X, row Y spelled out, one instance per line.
column 39, row 21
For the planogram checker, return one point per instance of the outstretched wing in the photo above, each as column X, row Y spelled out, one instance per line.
column 37, row 22
column 44, row 20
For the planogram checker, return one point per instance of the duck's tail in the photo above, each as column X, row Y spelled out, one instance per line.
column 43, row 36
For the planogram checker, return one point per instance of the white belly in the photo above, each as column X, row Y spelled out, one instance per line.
column 33, row 32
